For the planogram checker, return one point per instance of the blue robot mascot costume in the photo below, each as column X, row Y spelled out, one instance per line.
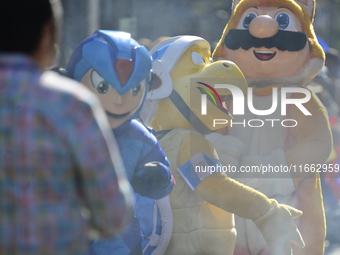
column 117, row 69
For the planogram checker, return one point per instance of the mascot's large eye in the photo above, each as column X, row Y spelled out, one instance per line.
column 197, row 58
column 99, row 83
column 136, row 89
column 283, row 20
column 247, row 19
column 103, row 87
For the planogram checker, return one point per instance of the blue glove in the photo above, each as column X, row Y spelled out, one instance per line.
column 153, row 181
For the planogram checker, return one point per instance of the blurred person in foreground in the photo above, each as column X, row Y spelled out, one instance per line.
column 57, row 154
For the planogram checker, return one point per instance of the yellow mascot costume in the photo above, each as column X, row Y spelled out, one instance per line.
column 274, row 45
column 203, row 201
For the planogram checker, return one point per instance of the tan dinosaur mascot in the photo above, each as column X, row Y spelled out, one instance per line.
column 202, row 202
column 274, row 45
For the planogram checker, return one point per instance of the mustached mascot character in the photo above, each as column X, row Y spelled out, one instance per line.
column 117, row 69
column 203, row 202
column 274, row 45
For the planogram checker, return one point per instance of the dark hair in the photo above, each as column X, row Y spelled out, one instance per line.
column 22, row 22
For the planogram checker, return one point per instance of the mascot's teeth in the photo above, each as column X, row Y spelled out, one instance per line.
column 264, row 52
column 264, row 55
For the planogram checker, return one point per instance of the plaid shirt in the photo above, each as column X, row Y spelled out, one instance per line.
column 54, row 158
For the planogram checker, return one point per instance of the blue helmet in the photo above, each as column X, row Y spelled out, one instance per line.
column 118, row 58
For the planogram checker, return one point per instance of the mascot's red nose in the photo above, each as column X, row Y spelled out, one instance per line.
column 123, row 68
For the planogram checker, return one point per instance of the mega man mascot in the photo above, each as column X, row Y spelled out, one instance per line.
column 117, row 69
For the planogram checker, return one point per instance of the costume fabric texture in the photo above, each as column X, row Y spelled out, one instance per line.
column 261, row 142
column 50, row 152
column 308, row 143
column 138, row 147
column 199, row 227
column 203, row 202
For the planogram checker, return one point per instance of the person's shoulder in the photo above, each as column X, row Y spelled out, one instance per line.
column 142, row 131
column 62, row 86
column 68, row 98
column 138, row 127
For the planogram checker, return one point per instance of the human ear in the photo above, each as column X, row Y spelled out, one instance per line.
column 45, row 52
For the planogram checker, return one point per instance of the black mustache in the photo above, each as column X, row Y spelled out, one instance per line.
column 282, row 40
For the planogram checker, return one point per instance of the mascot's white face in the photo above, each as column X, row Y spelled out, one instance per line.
column 267, row 49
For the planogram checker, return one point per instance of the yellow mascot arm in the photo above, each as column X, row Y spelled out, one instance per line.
column 220, row 190
column 273, row 220
column 311, row 139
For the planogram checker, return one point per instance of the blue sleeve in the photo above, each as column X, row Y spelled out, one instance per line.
column 153, row 152
column 199, row 167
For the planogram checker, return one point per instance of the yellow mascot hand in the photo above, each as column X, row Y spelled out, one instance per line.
column 276, row 237
column 272, row 219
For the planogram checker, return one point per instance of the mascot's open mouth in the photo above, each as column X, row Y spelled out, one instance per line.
column 117, row 116
column 264, row 55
